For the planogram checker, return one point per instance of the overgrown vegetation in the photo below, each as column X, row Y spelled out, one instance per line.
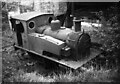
column 105, row 68
column 109, row 34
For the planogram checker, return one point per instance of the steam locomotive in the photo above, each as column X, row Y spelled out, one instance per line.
column 42, row 34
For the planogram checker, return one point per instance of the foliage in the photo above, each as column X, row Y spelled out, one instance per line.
column 109, row 33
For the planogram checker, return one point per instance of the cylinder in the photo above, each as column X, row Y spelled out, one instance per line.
column 77, row 25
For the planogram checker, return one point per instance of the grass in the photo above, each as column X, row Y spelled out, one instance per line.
column 32, row 77
column 87, row 76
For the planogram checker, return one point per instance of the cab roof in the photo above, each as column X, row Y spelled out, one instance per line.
column 29, row 15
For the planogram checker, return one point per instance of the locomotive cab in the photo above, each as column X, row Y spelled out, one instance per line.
column 25, row 24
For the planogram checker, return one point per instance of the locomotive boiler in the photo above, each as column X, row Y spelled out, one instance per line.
column 43, row 35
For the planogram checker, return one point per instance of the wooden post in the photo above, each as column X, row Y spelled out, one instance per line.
column 77, row 24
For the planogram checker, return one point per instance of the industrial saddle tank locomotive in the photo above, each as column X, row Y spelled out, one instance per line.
column 39, row 33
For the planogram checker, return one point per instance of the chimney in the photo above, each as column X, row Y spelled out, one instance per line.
column 77, row 24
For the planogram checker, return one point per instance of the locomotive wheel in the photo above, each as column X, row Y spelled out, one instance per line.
column 36, row 57
column 16, row 48
column 47, row 64
column 50, row 65
column 22, row 55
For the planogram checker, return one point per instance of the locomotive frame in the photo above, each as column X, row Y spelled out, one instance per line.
column 25, row 37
